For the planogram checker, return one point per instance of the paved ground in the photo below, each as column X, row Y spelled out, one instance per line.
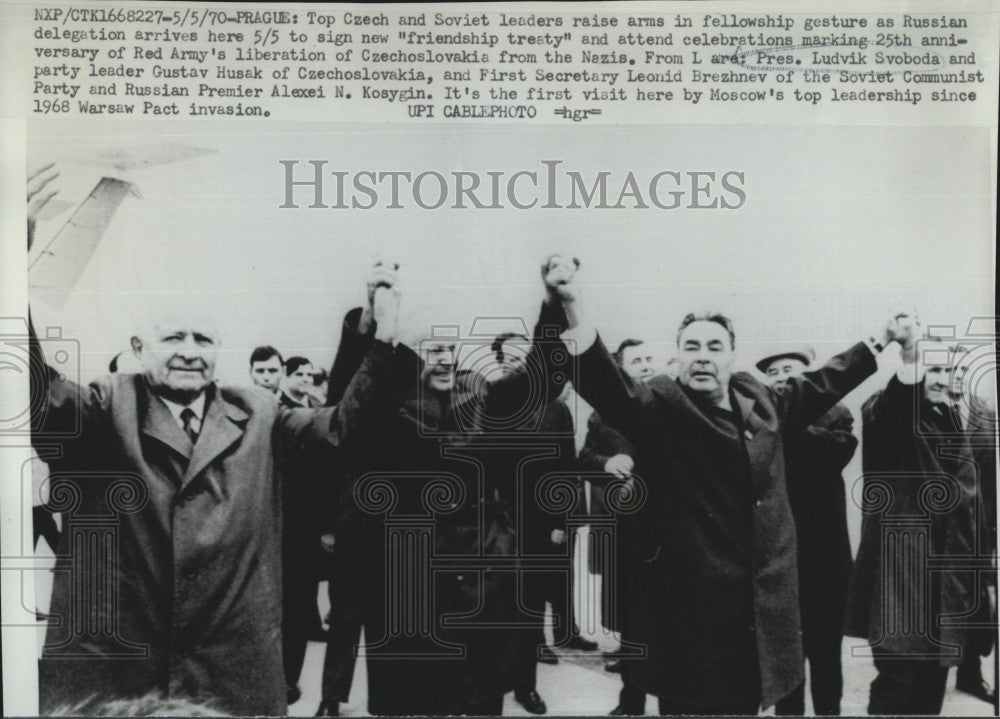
column 578, row 685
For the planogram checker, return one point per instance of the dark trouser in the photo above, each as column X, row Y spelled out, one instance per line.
column 559, row 593
column 980, row 642
column 672, row 708
column 533, row 597
column 907, row 686
column 539, row 586
column 822, row 643
column 560, row 596
column 351, row 589
column 631, row 698
column 300, row 616
column 43, row 524
column 492, row 707
column 346, row 622
column 971, row 667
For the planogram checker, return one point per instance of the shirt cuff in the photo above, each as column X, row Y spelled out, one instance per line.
column 579, row 339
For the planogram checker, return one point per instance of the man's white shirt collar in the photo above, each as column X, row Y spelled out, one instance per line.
column 197, row 406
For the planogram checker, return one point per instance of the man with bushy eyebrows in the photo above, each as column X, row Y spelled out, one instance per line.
column 714, row 561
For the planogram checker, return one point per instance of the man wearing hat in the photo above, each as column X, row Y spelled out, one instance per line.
column 814, row 460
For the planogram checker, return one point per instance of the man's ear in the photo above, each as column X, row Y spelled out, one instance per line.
column 136, row 345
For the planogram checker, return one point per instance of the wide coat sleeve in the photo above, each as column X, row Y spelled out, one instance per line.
column 805, row 399
column 547, row 368
column 623, row 403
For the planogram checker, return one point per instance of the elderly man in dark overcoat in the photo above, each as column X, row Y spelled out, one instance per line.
column 168, row 575
column 916, row 584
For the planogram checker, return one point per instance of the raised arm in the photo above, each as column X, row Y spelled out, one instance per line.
column 358, row 331
column 804, row 400
column 356, row 340
column 372, row 393
column 621, row 402
column 546, row 360
column 62, row 411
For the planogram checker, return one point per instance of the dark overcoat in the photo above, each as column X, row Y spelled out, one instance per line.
column 168, row 576
column 910, row 588
column 814, row 461
column 426, row 530
column 714, row 603
column 981, row 434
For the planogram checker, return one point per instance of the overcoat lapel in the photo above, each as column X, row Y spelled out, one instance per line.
column 758, row 451
column 158, row 423
column 745, row 405
column 221, row 428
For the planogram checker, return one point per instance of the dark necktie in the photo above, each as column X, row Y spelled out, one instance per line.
column 187, row 418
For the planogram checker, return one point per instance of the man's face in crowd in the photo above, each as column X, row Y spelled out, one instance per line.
column 438, row 373
column 957, row 386
column 938, row 371
column 300, row 381
column 179, row 357
column 638, row 362
column 267, row 374
column 705, row 357
column 783, row 369
column 515, row 356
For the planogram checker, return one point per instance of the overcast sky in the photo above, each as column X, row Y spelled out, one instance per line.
column 840, row 225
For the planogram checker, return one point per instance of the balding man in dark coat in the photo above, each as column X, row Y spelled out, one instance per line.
column 168, row 571
column 915, row 576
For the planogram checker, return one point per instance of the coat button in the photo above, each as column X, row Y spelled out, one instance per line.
column 758, row 502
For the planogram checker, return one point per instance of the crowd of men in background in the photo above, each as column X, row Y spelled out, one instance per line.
column 441, row 502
